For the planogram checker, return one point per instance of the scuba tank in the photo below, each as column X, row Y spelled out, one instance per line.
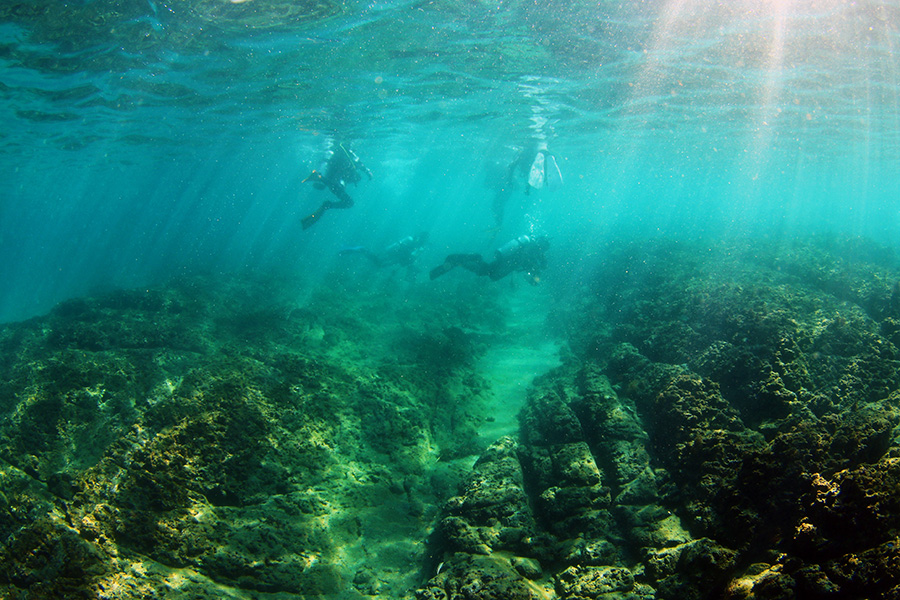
column 511, row 247
column 536, row 173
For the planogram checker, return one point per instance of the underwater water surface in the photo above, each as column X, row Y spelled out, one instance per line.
column 202, row 396
column 146, row 138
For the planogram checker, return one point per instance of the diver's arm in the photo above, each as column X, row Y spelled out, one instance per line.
column 365, row 169
column 358, row 163
column 558, row 171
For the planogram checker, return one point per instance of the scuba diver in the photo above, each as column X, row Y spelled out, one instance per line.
column 339, row 167
column 542, row 170
column 525, row 253
column 536, row 165
column 403, row 252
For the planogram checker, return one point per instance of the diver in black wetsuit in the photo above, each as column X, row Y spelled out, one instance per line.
column 536, row 165
column 525, row 253
column 340, row 166
column 402, row 253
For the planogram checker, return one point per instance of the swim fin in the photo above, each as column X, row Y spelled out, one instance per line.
column 314, row 176
column 310, row 220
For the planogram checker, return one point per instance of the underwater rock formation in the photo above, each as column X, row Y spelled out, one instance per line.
column 724, row 424
column 579, row 498
column 725, row 427
column 216, row 439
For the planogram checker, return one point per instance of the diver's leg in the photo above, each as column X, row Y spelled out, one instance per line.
column 443, row 268
column 376, row 260
column 472, row 262
column 345, row 200
column 451, row 262
column 501, row 197
column 497, row 271
column 310, row 219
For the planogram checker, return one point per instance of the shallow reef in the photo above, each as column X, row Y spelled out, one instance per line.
column 723, row 425
column 231, row 438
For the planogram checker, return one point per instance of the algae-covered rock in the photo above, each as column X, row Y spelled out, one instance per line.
column 193, row 433
column 694, row 569
column 492, row 512
column 50, row 559
column 723, row 426
column 476, row 577
column 527, row 567
column 593, row 582
column 854, row 509
column 762, row 580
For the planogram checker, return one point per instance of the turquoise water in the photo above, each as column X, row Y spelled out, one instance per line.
column 199, row 398
column 145, row 139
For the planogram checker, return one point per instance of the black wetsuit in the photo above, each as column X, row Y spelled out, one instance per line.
column 403, row 252
column 525, row 253
column 520, row 168
column 341, row 168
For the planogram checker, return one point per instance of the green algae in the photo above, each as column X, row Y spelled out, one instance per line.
column 724, row 425
column 205, row 427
